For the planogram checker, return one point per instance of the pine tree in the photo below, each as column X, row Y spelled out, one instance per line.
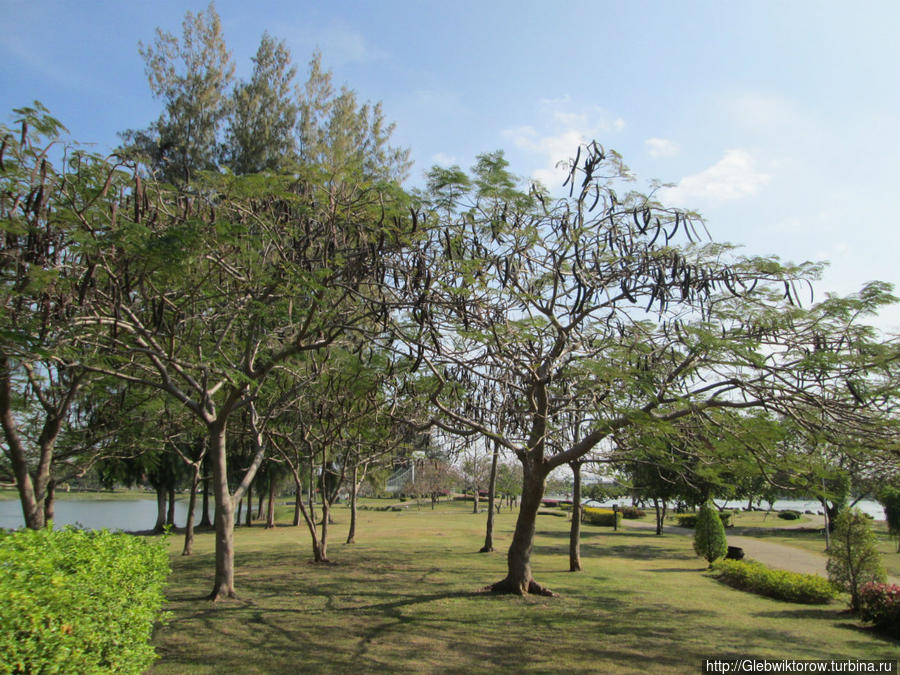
column 191, row 76
column 264, row 112
column 709, row 534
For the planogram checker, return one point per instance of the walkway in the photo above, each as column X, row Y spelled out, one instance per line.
column 779, row 556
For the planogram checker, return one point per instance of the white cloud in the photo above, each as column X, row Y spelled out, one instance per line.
column 735, row 176
column 339, row 44
column 661, row 147
column 443, row 159
column 564, row 128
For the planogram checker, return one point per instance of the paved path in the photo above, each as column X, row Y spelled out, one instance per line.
column 779, row 556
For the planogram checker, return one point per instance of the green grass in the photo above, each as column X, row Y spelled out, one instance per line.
column 408, row 597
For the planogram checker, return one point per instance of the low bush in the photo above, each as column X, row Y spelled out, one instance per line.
column 749, row 575
column 690, row 519
column 631, row 512
column 76, row 601
column 603, row 517
column 789, row 515
column 880, row 604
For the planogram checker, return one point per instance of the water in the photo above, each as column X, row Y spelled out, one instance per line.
column 869, row 506
column 113, row 514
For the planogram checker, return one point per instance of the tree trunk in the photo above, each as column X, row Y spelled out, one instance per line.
column 160, row 508
column 270, row 507
column 518, row 578
column 50, row 502
column 204, row 517
column 223, row 585
column 170, row 513
column 323, row 540
column 192, row 502
column 475, row 496
column 354, row 490
column 298, row 501
column 492, row 485
column 249, row 498
column 660, row 507
column 259, row 501
column 575, row 530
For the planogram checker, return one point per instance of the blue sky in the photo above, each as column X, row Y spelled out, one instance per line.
column 779, row 121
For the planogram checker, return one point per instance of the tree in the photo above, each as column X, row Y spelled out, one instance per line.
column 709, row 534
column 889, row 498
column 260, row 133
column 342, row 137
column 45, row 266
column 191, row 76
column 853, row 557
column 491, row 499
column 203, row 297
column 434, row 478
column 591, row 308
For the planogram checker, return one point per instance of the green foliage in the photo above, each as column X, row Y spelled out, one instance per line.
column 880, row 604
column 749, row 575
column 601, row 517
column 709, row 534
column 690, row 519
column 260, row 135
column 789, row 515
column 631, row 512
column 889, row 498
column 853, row 558
column 79, row 602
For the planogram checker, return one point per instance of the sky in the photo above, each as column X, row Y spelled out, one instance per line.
column 778, row 121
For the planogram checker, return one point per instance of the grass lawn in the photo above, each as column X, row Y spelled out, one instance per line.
column 407, row 597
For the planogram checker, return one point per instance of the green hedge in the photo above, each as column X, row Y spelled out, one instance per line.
column 749, row 575
column 632, row 512
column 603, row 517
column 76, row 601
column 690, row 519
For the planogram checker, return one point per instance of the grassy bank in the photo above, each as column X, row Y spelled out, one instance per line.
column 407, row 597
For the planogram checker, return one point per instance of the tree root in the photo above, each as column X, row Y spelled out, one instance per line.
column 509, row 587
column 220, row 593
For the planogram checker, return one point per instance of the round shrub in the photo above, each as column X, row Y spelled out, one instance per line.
column 789, row 515
column 880, row 604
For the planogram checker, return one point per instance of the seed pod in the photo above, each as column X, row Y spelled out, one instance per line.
column 3, row 150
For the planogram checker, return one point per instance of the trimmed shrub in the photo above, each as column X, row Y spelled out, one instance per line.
column 631, row 512
column 690, row 519
column 880, row 604
column 752, row 576
column 77, row 601
column 789, row 515
column 709, row 534
column 603, row 517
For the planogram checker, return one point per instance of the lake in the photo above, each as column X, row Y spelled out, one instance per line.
column 869, row 506
column 113, row 514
